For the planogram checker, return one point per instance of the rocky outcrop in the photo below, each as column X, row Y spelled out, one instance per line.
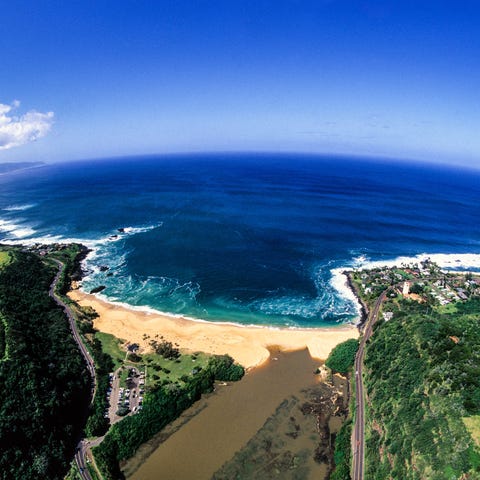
column 98, row 289
column 364, row 308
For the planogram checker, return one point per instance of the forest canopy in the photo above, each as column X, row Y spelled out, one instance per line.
column 342, row 357
column 45, row 387
column 423, row 382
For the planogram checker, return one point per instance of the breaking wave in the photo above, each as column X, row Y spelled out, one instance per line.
column 15, row 231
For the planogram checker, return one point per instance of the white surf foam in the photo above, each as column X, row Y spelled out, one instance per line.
column 152, row 311
column 448, row 261
column 17, row 230
column 18, row 208
column 339, row 282
column 20, row 231
column 134, row 230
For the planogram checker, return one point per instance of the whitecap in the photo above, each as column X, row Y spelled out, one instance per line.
column 18, row 208
column 17, row 230
column 134, row 230
column 49, row 238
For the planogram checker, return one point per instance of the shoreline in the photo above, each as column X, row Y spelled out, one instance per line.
column 152, row 311
column 248, row 345
column 363, row 306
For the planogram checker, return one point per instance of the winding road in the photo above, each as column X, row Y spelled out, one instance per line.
column 358, row 436
column 73, row 327
column 80, row 454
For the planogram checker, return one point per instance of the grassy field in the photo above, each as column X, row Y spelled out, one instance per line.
column 159, row 369
column 111, row 346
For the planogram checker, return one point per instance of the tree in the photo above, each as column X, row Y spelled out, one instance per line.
column 416, row 288
column 224, row 368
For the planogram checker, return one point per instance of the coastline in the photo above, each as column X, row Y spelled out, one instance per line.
column 363, row 306
column 248, row 345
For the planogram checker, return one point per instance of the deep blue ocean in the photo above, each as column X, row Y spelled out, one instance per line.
column 249, row 238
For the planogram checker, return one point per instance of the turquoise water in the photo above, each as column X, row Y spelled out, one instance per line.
column 246, row 238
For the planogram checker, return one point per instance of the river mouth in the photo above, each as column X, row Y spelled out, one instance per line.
column 279, row 421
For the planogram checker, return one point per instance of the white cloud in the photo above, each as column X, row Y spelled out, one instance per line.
column 19, row 130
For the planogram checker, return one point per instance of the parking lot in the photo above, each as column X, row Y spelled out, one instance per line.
column 125, row 397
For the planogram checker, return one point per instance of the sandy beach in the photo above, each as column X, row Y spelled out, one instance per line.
column 247, row 345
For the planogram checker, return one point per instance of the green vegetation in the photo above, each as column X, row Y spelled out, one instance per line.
column 165, row 401
column 111, row 346
column 70, row 255
column 93, row 472
column 422, row 377
column 160, row 408
column 473, row 427
column 166, row 365
column 45, row 386
column 417, row 288
column 342, row 452
column 97, row 424
column 342, row 357
column 224, row 369
column 162, row 371
column 4, row 258
column 3, row 343
column 165, row 349
column 74, row 472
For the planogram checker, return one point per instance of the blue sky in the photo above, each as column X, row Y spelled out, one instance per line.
column 104, row 78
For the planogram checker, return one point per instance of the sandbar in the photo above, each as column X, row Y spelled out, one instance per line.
column 247, row 345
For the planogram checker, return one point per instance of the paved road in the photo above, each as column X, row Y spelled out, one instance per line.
column 73, row 326
column 80, row 455
column 359, row 427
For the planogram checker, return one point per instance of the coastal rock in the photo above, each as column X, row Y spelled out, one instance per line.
column 98, row 289
column 364, row 308
column 104, row 268
column 78, row 271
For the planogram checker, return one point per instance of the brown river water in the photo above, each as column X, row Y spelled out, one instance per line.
column 265, row 426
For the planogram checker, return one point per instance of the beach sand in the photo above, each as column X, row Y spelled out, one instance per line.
column 247, row 345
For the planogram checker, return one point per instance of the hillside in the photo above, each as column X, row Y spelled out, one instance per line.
column 422, row 377
column 45, row 387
